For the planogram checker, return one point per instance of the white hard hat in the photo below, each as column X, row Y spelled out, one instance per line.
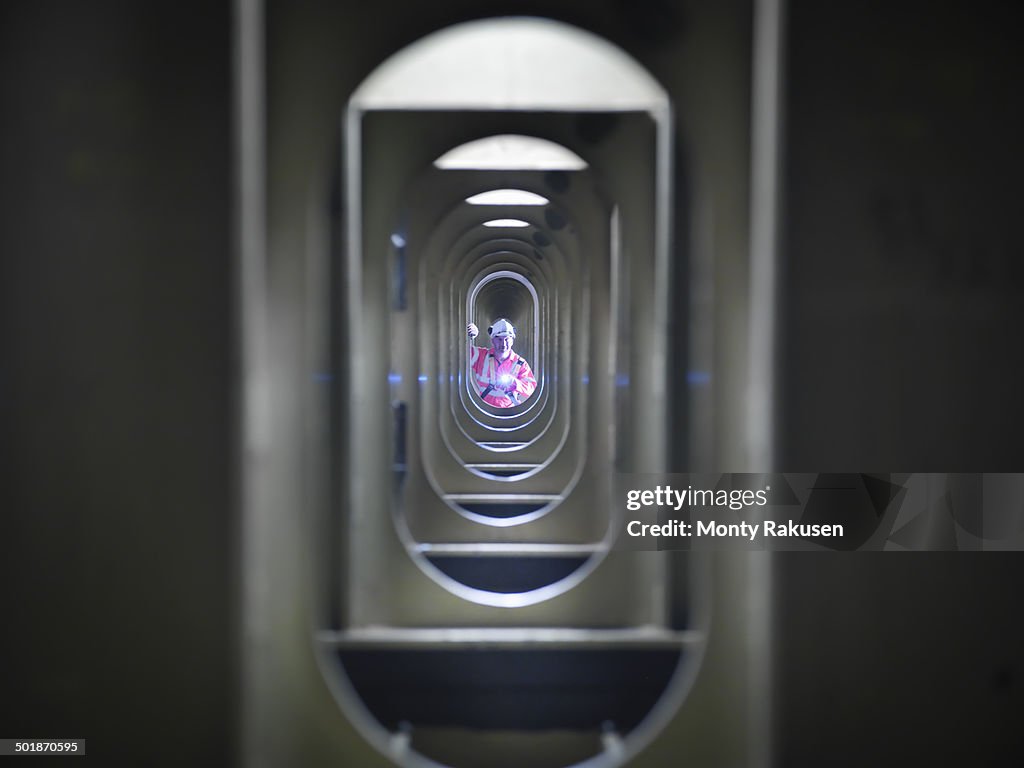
column 502, row 328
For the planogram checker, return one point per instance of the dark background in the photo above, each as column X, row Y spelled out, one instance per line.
column 901, row 293
column 115, row 389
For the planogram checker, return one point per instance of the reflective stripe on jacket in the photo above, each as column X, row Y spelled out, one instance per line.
column 503, row 384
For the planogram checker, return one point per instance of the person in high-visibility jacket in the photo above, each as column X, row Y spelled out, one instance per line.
column 501, row 377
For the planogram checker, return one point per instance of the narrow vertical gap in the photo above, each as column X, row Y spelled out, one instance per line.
column 400, row 298
column 400, row 413
column 333, row 554
column 616, row 323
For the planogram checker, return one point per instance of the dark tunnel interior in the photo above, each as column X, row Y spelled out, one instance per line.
column 901, row 274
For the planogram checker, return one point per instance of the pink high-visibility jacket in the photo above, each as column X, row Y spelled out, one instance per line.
column 502, row 384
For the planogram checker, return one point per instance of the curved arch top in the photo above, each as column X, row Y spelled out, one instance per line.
column 510, row 152
column 511, row 64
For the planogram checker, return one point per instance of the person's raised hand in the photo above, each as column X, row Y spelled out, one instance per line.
column 472, row 331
